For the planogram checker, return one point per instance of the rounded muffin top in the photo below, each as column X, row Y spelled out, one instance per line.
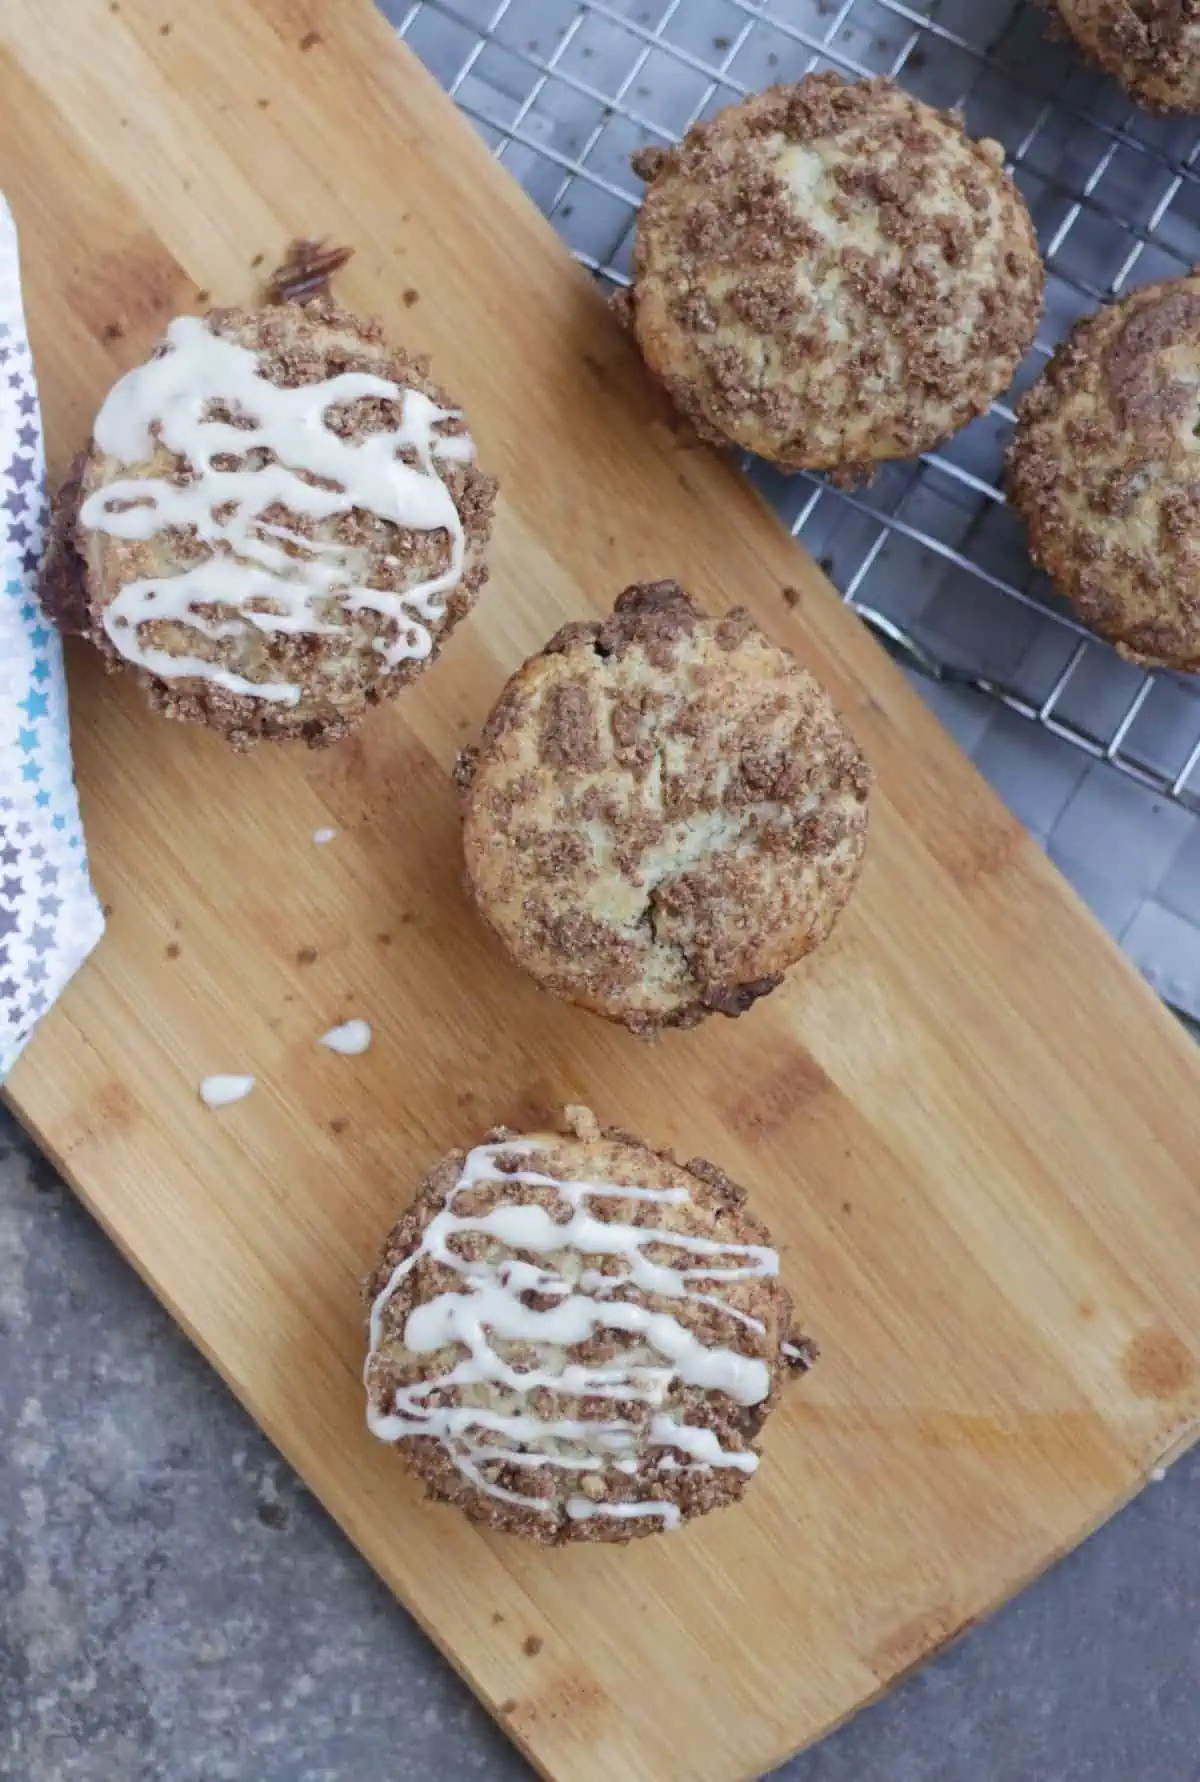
column 1105, row 470
column 279, row 516
column 833, row 273
column 575, row 1338
column 664, row 812
column 1151, row 46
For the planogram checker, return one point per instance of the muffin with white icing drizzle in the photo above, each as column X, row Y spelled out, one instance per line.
column 574, row 1337
column 277, row 522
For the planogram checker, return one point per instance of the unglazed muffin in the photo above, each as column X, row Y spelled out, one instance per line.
column 663, row 814
column 1151, row 46
column 276, row 524
column 575, row 1338
column 1105, row 470
column 832, row 273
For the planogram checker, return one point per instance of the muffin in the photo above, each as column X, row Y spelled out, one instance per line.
column 832, row 273
column 574, row 1338
column 1105, row 470
column 663, row 814
column 276, row 524
column 1151, row 46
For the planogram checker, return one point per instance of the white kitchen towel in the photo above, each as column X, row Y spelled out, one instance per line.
column 50, row 918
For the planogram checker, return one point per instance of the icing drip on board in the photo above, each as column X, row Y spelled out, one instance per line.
column 492, row 1305
column 220, row 1091
column 249, row 572
column 351, row 1038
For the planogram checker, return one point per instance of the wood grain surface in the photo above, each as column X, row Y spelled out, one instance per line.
column 974, row 1132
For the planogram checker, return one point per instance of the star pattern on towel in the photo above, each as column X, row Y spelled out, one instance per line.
column 49, row 916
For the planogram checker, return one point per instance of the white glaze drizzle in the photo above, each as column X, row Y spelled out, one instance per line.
column 323, row 836
column 580, row 1509
column 219, row 1091
column 351, row 1038
column 264, row 585
column 491, row 1306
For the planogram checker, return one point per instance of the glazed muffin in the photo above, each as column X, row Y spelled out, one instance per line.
column 832, row 273
column 663, row 814
column 277, row 523
column 1105, row 470
column 575, row 1338
column 1151, row 46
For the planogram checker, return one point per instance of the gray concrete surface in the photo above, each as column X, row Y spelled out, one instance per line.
column 174, row 1607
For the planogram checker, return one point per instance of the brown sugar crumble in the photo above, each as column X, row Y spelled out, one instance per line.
column 663, row 813
column 578, row 1491
column 351, row 658
column 924, row 241
column 1104, row 468
column 1151, row 46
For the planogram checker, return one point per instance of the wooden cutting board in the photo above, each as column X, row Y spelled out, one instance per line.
column 973, row 1130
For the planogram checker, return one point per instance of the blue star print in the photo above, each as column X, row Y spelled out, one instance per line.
column 49, row 916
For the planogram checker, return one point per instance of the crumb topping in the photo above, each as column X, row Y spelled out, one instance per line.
column 337, row 666
column 663, row 813
column 1151, row 46
column 833, row 273
column 1105, row 470
column 636, row 1335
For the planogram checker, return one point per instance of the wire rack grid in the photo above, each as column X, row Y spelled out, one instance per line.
column 1101, row 759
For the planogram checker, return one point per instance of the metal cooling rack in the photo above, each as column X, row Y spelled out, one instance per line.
column 1100, row 759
